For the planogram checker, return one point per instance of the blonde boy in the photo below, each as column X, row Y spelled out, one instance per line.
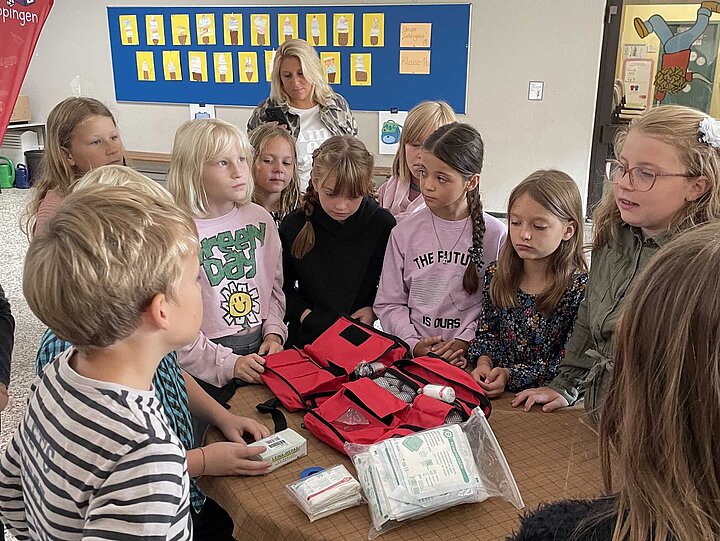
column 115, row 273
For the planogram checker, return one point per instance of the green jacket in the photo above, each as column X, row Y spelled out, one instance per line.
column 336, row 116
column 588, row 362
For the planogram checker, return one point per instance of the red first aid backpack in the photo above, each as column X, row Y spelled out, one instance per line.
column 342, row 408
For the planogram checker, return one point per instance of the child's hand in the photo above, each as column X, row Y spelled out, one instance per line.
column 495, row 382
column 552, row 399
column 365, row 314
column 456, row 358
column 230, row 458
column 234, row 427
column 482, row 370
column 249, row 367
column 424, row 345
column 271, row 344
column 446, row 349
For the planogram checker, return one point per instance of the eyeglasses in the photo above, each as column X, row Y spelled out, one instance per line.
column 642, row 179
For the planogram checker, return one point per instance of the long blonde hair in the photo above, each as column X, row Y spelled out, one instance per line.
column 311, row 67
column 346, row 159
column 660, row 426
column 290, row 196
column 56, row 171
column 678, row 126
column 422, row 120
column 197, row 142
column 557, row 193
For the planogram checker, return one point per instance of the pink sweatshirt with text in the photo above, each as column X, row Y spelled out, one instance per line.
column 421, row 292
column 241, row 278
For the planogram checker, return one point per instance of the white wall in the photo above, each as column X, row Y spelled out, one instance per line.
column 512, row 42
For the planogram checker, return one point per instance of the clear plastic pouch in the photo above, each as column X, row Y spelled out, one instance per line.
column 325, row 492
column 417, row 475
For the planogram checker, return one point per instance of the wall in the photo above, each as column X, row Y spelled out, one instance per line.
column 512, row 42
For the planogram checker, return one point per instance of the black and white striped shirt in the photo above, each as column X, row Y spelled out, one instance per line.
column 93, row 460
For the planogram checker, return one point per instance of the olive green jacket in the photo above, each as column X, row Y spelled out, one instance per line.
column 588, row 362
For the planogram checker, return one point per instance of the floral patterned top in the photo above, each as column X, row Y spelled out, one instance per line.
column 522, row 339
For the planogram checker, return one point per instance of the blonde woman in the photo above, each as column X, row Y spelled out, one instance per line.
column 401, row 193
column 312, row 110
column 660, row 427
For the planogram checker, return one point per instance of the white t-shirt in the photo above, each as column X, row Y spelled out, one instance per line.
column 312, row 134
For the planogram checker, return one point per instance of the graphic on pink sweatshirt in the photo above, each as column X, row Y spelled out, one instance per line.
column 421, row 292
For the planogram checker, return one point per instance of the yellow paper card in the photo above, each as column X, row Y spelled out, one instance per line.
column 269, row 57
column 331, row 67
column 260, row 29
column 233, row 28
column 287, row 27
column 145, row 66
column 171, row 66
column 373, row 29
column 155, row 30
column 343, row 25
column 205, row 24
column 248, row 65
column 129, row 30
column 198, row 66
column 315, row 29
column 180, row 33
column 361, row 69
column 223, row 64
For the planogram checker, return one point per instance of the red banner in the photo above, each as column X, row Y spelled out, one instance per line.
column 20, row 25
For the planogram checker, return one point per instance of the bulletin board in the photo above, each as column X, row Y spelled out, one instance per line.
column 379, row 57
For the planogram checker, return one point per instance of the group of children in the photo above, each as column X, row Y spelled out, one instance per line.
column 138, row 285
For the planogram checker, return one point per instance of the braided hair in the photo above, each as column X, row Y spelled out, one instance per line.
column 344, row 158
column 461, row 147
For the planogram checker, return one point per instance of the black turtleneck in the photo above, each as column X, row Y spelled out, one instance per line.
column 340, row 274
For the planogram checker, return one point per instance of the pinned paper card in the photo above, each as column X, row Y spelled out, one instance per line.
column 145, row 66
column 415, row 34
column 315, row 29
column 373, row 29
column 223, row 67
column 415, row 62
column 205, row 23
column 361, row 69
column 260, row 29
column 180, row 25
column 331, row 67
column 129, row 30
column 343, row 25
column 391, row 125
column 269, row 59
column 171, row 66
column 287, row 27
column 198, row 66
column 233, row 28
column 248, row 66
column 155, row 30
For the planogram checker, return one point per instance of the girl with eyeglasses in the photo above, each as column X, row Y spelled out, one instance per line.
column 666, row 179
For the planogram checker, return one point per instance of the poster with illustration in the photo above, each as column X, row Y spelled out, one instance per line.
column 373, row 30
column 180, row 33
column 233, row 28
column 145, row 66
column 315, row 29
column 361, row 69
column 248, row 65
column 390, row 125
column 343, row 29
column 287, row 27
column 269, row 59
column 171, row 66
column 198, row 66
column 129, row 30
column 260, row 29
column 331, row 66
column 154, row 30
column 205, row 24
column 223, row 67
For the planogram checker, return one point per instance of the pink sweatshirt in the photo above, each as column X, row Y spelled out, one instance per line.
column 46, row 210
column 241, row 278
column 393, row 195
column 421, row 292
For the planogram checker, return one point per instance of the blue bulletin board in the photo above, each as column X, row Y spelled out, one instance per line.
column 379, row 57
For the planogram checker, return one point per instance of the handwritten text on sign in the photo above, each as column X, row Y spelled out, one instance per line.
column 415, row 34
column 417, row 62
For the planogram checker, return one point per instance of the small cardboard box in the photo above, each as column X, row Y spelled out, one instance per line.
column 21, row 112
column 282, row 447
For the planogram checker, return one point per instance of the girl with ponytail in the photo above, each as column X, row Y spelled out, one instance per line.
column 333, row 245
column 428, row 293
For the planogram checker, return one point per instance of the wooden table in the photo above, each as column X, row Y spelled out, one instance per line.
column 552, row 456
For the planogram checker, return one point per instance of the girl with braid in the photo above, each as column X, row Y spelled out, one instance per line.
column 333, row 246
column 429, row 292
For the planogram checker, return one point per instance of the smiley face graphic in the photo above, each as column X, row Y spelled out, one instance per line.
column 241, row 305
